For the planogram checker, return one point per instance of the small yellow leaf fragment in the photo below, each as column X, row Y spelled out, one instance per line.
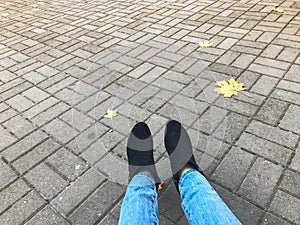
column 110, row 113
column 229, row 88
column 205, row 44
column 160, row 186
column 276, row 9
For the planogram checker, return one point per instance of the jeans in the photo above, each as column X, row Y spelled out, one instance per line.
column 200, row 202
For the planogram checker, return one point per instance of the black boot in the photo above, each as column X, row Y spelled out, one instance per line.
column 179, row 148
column 140, row 152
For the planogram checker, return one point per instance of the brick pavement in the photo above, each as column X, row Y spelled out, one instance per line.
column 64, row 63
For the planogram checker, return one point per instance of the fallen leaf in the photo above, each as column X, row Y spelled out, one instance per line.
column 229, row 88
column 160, row 186
column 205, row 44
column 110, row 113
column 276, row 9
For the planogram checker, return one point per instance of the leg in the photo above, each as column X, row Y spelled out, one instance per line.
column 140, row 204
column 201, row 203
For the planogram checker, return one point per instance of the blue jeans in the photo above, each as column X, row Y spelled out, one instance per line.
column 200, row 202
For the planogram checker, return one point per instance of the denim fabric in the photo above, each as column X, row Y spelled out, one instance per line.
column 140, row 205
column 201, row 203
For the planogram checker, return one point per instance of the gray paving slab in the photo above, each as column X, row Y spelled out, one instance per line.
column 64, row 63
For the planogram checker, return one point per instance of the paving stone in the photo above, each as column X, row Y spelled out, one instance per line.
column 290, row 183
column 168, row 84
column 292, row 73
column 195, row 87
column 23, row 146
column 94, row 152
column 208, row 94
column 19, row 126
column 141, row 70
column 92, row 101
column 169, row 204
column 208, row 144
column 243, row 61
column 153, row 74
column 264, row 148
column 49, row 114
column 270, row 219
column 145, row 94
column 47, row 214
column 176, row 113
column 46, row 181
column 267, row 70
column 6, row 76
column 67, row 164
column 296, row 161
column 272, row 51
column 115, row 169
column 40, row 107
column 179, row 77
column 61, row 84
column 289, row 121
column 246, row 212
column 12, row 193
column 237, row 106
column 233, row 168
column 287, row 96
column 231, row 127
column 210, row 119
column 35, row 94
column 264, row 85
column 71, row 197
column 260, row 182
column 97, row 204
column 7, row 138
column 22, row 209
column 286, row 206
column 47, row 71
column 197, row 68
column 285, row 138
column 7, row 175
column 60, row 130
column 87, row 137
column 36, row 155
column 42, row 83
column 107, row 220
column 99, row 111
column 288, row 54
column 77, row 119
column 271, row 111
column 20, row 103
column 289, row 86
column 194, row 106
column 69, row 96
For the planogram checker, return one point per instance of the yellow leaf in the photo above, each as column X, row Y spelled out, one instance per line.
column 160, row 186
column 205, row 44
column 276, row 9
column 110, row 113
column 229, row 88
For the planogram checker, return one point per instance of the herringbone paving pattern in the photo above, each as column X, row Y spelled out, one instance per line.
column 64, row 63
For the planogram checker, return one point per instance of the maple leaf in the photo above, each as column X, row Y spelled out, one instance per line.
column 276, row 9
column 205, row 44
column 110, row 113
column 229, row 88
